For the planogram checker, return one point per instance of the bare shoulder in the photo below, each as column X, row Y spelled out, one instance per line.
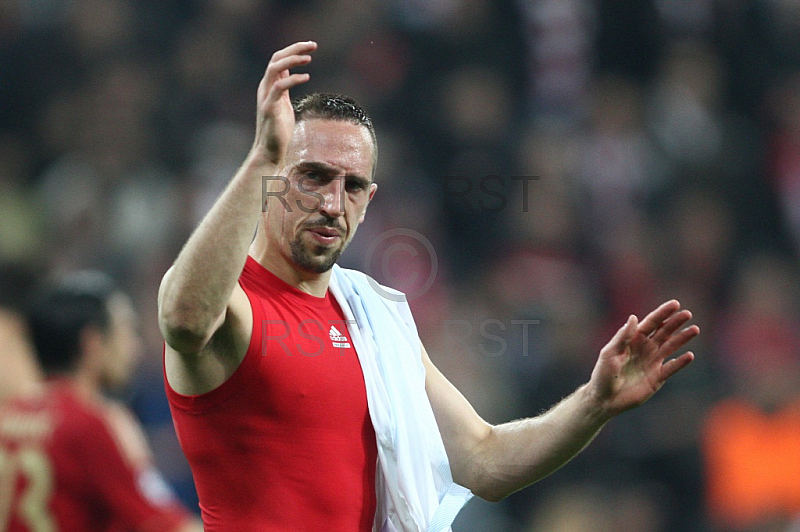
column 196, row 373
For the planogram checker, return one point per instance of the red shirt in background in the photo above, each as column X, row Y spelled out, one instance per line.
column 72, row 463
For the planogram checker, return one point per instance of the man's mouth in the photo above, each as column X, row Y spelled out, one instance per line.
column 325, row 235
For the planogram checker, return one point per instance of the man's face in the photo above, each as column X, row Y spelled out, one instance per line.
column 329, row 168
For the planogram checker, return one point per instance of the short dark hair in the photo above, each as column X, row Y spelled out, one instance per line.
column 59, row 313
column 328, row 106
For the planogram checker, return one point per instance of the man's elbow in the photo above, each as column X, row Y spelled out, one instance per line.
column 489, row 490
column 472, row 463
column 178, row 334
column 490, row 495
column 185, row 329
column 484, row 476
column 483, row 481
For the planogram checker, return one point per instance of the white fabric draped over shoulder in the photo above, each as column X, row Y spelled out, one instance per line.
column 415, row 488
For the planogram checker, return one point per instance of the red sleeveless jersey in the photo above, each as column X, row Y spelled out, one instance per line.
column 286, row 443
column 69, row 463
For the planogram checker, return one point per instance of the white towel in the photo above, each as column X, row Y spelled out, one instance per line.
column 415, row 487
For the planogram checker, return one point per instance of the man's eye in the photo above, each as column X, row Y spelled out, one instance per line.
column 353, row 186
column 311, row 180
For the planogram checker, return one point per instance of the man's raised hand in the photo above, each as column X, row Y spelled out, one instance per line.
column 275, row 120
column 636, row 362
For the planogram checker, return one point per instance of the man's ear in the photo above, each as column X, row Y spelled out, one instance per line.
column 373, row 187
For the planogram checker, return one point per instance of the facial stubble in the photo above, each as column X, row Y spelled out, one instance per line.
column 314, row 258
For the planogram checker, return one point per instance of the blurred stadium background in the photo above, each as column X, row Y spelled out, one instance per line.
column 656, row 150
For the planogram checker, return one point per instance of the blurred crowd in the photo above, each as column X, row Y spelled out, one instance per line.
column 546, row 168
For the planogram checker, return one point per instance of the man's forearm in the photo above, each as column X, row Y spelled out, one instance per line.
column 197, row 288
column 519, row 453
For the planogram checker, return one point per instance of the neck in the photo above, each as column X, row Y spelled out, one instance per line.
column 87, row 384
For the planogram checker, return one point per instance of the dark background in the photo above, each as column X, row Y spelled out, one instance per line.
column 658, row 141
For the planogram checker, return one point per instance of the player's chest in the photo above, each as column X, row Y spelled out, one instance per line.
column 309, row 369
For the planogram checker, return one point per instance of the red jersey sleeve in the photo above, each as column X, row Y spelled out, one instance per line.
column 121, row 477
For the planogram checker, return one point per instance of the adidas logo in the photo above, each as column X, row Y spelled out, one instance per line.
column 338, row 339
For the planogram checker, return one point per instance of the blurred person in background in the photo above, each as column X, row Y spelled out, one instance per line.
column 72, row 459
column 751, row 435
column 302, row 437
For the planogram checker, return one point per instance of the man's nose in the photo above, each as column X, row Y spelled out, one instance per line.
column 333, row 198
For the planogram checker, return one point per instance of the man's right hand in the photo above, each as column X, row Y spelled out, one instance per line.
column 275, row 121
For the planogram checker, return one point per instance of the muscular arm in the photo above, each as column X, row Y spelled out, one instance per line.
column 495, row 461
column 200, row 290
column 196, row 291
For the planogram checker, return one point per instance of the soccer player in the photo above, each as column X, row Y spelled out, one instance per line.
column 300, row 391
column 71, row 460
